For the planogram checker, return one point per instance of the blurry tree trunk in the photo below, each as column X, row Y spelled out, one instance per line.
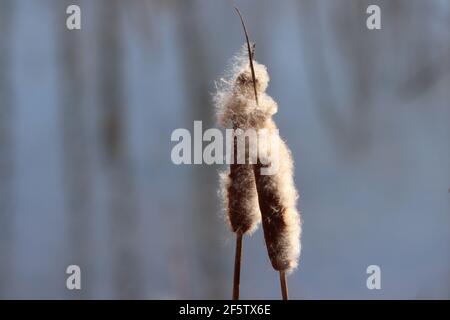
column 317, row 74
column 121, row 193
column 77, row 168
column 358, row 47
column 349, row 126
column 206, row 224
column 6, row 152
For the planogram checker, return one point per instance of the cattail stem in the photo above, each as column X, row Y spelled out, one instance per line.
column 284, row 286
column 237, row 266
column 250, row 54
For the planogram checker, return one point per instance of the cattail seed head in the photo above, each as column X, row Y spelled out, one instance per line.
column 235, row 106
column 235, row 100
column 247, row 193
column 240, row 198
column 277, row 194
column 281, row 220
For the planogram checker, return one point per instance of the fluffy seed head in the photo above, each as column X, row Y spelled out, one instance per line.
column 240, row 199
column 235, row 98
column 249, row 195
column 281, row 220
column 236, row 106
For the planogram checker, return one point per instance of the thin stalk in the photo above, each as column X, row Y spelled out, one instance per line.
column 250, row 54
column 284, row 286
column 237, row 266
column 239, row 235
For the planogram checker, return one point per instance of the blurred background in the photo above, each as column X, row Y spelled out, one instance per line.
column 86, row 118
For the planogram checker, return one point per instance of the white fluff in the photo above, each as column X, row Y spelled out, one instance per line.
column 272, row 196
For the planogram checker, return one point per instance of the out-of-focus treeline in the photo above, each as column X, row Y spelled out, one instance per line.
column 86, row 118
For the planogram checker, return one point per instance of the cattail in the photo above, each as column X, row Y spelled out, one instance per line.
column 238, row 188
column 250, row 190
column 277, row 202
column 234, row 108
column 276, row 192
column 277, row 195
